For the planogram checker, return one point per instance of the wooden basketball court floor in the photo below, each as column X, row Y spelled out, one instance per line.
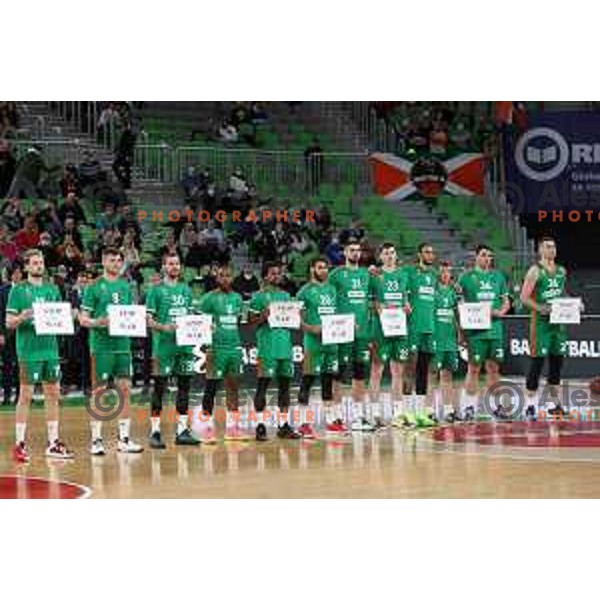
column 485, row 460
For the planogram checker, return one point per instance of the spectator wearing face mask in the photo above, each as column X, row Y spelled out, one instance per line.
column 246, row 283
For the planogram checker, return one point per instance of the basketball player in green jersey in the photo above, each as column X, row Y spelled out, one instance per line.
column 354, row 287
column 224, row 357
column 422, row 281
column 390, row 292
column 446, row 342
column 165, row 302
column 37, row 354
column 110, row 356
column 544, row 282
column 482, row 283
column 319, row 298
column 274, row 352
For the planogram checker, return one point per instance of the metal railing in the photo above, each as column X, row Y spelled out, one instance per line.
column 168, row 164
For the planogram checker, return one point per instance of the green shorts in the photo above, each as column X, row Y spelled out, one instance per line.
column 422, row 342
column 395, row 349
column 173, row 360
column 446, row 360
column 357, row 351
column 39, row 371
column 481, row 350
column 223, row 362
column 546, row 339
column 267, row 367
column 319, row 358
column 105, row 365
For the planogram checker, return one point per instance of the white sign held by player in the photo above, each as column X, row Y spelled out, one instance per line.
column 337, row 329
column 285, row 314
column 194, row 330
column 566, row 311
column 475, row 315
column 127, row 320
column 393, row 321
column 53, row 318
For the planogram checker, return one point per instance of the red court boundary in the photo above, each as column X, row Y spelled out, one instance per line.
column 542, row 434
column 16, row 487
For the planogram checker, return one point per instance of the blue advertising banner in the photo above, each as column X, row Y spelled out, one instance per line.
column 555, row 165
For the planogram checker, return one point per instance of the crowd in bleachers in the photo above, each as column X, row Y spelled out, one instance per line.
column 436, row 128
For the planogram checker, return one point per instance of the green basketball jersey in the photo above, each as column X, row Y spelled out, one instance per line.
column 319, row 299
column 226, row 310
column 485, row 286
column 354, row 287
column 390, row 288
column 165, row 303
column 421, row 285
column 271, row 342
column 30, row 346
column 445, row 318
column 96, row 300
column 550, row 285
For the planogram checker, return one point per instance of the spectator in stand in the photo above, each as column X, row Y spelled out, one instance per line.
column 10, row 364
column 28, row 175
column 71, row 234
column 258, row 115
column 28, row 237
column 239, row 114
column 313, row 159
column 8, row 167
column 193, row 186
column 71, row 208
column 170, row 246
column 228, row 133
column 90, row 170
column 52, row 257
column 124, row 156
column 70, row 183
column 126, row 221
column 106, row 219
column 334, row 251
column 246, row 283
column 187, row 238
column 131, row 256
column 354, row 231
column 238, row 185
column 9, row 119
column 438, row 140
column 11, row 214
column 460, row 136
column 107, row 124
column 48, row 219
column 8, row 249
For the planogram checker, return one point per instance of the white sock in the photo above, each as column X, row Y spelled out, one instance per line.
column 182, row 424
column 230, row 419
column 357, row 410
column 375, row 410
column 96, row 427
column 302, row 409
column 155, row 421
column 533, row 400
column 419, row 403
column 52, row 431
column 20, row 432
column 438, row 404
column 124, row 425
column 329, row 413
